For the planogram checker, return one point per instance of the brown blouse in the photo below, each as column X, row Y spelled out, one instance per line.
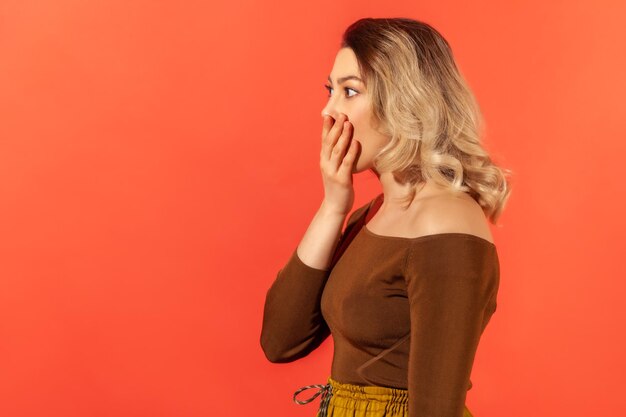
column 403, row 312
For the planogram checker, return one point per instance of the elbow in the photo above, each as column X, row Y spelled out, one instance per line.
column 274, row 351
column 272, row 344
column 280, row 349
column 274, row 356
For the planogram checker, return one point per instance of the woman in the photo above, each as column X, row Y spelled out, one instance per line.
column 408, row 287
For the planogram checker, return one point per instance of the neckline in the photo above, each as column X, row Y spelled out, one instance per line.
column 429, row 237
column 417, row 238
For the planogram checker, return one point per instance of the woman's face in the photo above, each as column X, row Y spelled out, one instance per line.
column 347, row 95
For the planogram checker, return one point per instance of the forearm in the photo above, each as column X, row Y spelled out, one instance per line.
column 319, row 241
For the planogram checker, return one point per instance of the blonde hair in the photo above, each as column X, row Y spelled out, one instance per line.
column 422, row 102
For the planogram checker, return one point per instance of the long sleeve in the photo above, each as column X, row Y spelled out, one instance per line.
column 293, row 325
column 452, row 281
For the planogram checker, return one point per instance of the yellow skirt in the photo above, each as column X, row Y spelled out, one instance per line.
column 348, row 400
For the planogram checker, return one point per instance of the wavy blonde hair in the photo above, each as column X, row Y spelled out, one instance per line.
column 422, row 102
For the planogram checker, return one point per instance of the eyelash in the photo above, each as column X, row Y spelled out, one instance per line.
column 328, row 87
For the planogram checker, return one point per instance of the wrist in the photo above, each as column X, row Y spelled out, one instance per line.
column 327, row 210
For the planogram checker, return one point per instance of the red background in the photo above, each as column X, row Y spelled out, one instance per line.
column 159, row 163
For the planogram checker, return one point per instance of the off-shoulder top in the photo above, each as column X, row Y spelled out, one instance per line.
column 403, row 312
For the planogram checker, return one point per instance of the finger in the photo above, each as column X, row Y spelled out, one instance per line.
column 332, row 136
column 339, row 149
column 337, row 128
column 348, row 161
column 328, row 123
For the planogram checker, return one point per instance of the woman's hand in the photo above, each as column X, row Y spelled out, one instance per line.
column 337, row 158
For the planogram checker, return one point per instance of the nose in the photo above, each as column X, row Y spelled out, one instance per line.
column 330, row 109
column 326, row 112
column 332, row 112
column 334, row 109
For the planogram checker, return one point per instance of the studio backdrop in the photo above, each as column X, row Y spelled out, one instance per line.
column 159, row 161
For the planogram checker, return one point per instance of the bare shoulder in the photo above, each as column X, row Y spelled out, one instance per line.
column 451, row 213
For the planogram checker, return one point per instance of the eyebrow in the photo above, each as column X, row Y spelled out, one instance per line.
column 343, row 79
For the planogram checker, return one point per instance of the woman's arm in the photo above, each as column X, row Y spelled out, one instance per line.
column 320, row 239
column 293, row 325
column 452, row 282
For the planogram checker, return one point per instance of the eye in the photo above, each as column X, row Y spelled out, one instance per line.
column 352, row 89
column 346, row 89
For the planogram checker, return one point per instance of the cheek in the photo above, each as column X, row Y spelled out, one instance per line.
column 360, row 130
column 356, row 112
column 358, row 117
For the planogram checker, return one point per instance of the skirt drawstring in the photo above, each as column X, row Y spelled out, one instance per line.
column 325, row 390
